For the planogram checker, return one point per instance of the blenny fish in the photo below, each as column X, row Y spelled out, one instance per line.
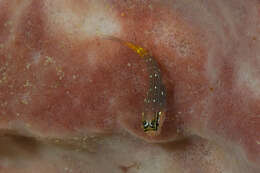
column 153, row 114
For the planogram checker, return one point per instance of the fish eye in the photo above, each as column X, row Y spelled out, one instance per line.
column 152, row 124
column 145, row 124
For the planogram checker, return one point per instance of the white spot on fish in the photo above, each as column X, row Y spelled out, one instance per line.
column 162, row 93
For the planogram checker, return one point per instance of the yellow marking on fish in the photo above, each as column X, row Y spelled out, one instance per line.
column 139, row 50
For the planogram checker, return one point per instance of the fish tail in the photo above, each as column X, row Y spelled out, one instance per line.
column 139, row 50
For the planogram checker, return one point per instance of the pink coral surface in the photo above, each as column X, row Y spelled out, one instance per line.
column 71, row 101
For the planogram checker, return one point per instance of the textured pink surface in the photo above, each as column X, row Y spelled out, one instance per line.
column 71, row 101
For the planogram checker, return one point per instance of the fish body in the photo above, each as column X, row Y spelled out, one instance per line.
column 153, row 114
column 155, row 101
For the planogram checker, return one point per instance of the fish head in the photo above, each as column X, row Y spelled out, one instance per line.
column 153, row 124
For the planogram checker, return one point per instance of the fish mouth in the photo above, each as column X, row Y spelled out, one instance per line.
column 150, row 125
column 152, row 130
column 153, row 126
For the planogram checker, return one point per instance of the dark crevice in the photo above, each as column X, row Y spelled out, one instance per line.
column 17, row 146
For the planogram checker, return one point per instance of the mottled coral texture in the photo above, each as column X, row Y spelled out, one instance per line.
column 71, row 101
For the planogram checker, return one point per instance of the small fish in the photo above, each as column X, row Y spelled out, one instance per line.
column 153, row 114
